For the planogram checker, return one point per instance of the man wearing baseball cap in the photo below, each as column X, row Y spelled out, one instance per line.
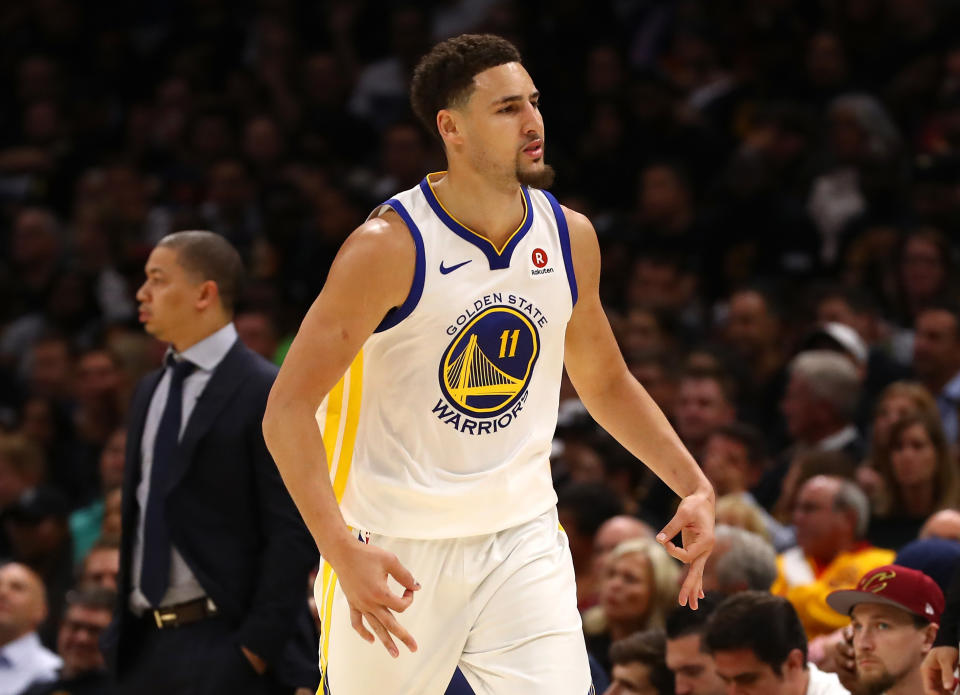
column 895, row 612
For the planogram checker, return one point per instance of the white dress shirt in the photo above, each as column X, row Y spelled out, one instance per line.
column 824, row 683
column 206, row 355
column 25, row 661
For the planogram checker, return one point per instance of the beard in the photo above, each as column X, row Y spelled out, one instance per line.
column 541, row 178
column 876, row 686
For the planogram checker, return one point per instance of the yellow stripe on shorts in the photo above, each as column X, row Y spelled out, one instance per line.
column 328, row 585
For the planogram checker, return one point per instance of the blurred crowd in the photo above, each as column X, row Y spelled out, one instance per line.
column 776, row 189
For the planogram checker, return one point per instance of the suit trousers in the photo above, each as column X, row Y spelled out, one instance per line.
column 201, row 658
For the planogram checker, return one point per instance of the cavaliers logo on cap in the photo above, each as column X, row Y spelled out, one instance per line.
column 877, row 581
column 487, row 366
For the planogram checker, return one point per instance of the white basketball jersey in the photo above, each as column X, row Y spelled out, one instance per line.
column 442, row 426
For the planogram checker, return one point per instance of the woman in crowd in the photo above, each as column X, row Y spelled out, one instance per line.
column 919, row 472
column 899, row 399
column 638, row 590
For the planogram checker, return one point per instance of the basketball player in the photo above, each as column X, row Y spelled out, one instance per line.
column 436, row 348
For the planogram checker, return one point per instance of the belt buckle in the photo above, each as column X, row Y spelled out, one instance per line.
column 162, row 618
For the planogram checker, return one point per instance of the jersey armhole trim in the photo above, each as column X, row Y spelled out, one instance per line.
column 563, row 233
column 398, row 314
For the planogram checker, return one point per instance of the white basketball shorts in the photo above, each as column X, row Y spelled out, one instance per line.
column 502, row 607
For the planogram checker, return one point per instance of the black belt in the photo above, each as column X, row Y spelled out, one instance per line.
column 181, row 613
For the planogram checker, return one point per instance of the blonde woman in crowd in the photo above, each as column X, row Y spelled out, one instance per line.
column 638, row 589
column 733, row 510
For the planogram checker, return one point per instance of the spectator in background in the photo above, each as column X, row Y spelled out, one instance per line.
column 646, row 330
column 83, row 672
column 50, row 369
column 925, row 272
column 754, row 332
column 937, row 558
column 97, row 413
column 899, row 399
column 582, row 508
column 612, row 532
column 943, row 524
column 23, row 607
column 831, row 518
column 230, row 209
column 704, row 403
column 740, row 561
column 112, row 513
column 639, row 588
column 919, row 473
column 639, row 665
column 734, row 460
column 895, row 612
column 820, row 403
column 687, row 657
column 819, row 406
column 98, row 392
column 405, row 150
column 666, row 213
column 759, row 648
column 258, row 331
column 936, row 360
column 934, row 557
column 36, row 257
column 862, row 139
column 665, row 282
column 101, row 566
column 857, row 308
column 380, row 95
column 657, row 371
column 22, row 467
column 86, row 523
column 734, row 511
column 40, row 539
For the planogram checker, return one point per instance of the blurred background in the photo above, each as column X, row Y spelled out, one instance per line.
column 775, row 185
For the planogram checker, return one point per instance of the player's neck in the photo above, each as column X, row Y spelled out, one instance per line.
column 492, row 211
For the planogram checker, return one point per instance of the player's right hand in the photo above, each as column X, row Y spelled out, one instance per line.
column 937, row 671
column 362, row 572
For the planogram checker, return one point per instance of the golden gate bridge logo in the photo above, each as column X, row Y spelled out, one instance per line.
column 488, row 364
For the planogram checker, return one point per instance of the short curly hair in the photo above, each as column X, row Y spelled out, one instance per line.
column 444, row 77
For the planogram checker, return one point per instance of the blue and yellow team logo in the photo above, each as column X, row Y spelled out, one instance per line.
column 488, row 365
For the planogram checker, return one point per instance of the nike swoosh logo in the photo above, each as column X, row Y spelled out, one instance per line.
column 449, row 269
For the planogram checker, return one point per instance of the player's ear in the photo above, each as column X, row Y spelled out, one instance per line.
column 449, row 127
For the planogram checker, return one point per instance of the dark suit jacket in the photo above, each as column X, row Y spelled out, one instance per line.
column 232, row 520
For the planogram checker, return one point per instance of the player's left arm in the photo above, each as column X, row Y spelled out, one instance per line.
column 617, row 401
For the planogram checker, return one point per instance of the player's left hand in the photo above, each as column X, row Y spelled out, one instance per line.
column 694, row 522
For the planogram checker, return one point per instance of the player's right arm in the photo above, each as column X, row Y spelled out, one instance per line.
column 372, row 273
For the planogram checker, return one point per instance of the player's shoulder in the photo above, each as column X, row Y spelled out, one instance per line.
column 384, row 236
column 583, row 236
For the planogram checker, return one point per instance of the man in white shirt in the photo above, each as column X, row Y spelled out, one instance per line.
column 759, row 648
column 23, row 606
column 895, row 612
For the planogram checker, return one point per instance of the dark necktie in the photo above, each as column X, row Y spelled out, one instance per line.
column 155, row 573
